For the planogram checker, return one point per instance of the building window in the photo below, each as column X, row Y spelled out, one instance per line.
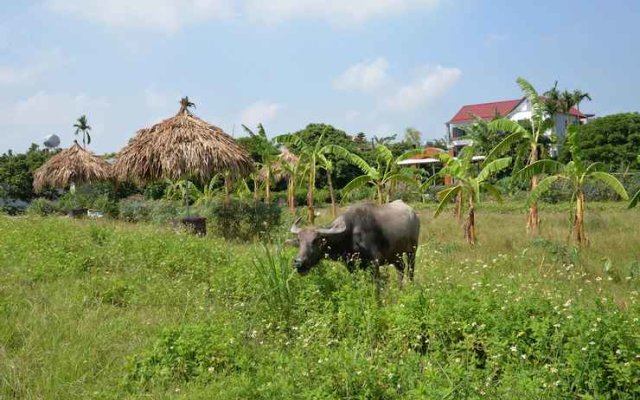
column 457, row 132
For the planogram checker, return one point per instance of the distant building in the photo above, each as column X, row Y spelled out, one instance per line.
column 514, row 110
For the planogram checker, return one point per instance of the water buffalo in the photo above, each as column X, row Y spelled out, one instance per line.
column 367, row 234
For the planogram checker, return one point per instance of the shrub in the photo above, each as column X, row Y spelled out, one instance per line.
column 245, row 220
column 134, row 210
column 42, row 207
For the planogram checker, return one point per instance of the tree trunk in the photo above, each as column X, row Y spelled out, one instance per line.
column 379, row 194
column 312, row 186
column 332, row 194
column 470, row 224
column 227, row 189
column 458, row 208
column 256, row 190
column 291, row 199
column 578, row 226
column 267, row 195
column 533, row 219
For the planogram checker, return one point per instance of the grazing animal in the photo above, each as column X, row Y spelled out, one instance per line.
column 372, row 235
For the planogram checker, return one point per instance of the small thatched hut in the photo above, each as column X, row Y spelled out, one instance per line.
column 183, row 146
column 71, row 166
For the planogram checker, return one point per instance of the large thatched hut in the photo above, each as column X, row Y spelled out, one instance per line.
column 74, row 165
column 183, row 146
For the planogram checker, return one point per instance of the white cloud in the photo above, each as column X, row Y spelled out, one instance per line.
column 341, row 11
column 158, row 15
column 171, row 15
column 431, row 84
column 259, row 112
column 45, row 113
column 365, row 77
column 28, row 74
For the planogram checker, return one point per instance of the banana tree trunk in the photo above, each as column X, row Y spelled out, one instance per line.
column 311, row 212
column 227, row 189
column 470, row 224
column 256, row 190
column 332, row 194
column 578, row 225
column 458, row 208
column 533, row 218
column 267, row 195
column 291, row 198
column 380, row 196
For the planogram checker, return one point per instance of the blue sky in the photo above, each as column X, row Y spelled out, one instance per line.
column 361, row 65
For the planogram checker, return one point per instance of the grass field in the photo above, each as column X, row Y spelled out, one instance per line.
column 101, row 309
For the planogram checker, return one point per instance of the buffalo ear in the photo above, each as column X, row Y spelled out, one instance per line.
column 292, row 242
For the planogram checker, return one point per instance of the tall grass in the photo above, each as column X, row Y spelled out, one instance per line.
column 275, row 276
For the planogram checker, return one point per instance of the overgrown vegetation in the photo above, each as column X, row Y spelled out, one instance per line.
column 99, row 309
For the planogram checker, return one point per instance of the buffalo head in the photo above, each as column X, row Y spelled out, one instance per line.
column 313, row 243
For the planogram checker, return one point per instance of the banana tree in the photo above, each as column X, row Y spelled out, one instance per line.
column 383, row 176
column 268, row 155
column 527, row 142
column 310, row 159
column 577, row 173
column 328, row 167
column 210, row 191
column 468, row 185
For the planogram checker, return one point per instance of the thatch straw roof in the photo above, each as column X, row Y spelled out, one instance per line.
column 73, row 165
column 178, row 147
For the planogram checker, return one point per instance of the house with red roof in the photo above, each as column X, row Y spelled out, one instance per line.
column 515, row 110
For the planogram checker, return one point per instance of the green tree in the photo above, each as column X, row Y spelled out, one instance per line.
column 468, row 186
column 343, row 171
column 526, row 141
column 82, row 127
column 16, row 172
column 577, row 173
column 383, row 175
column 613, row 140
column 413, row 137
column 484, row 138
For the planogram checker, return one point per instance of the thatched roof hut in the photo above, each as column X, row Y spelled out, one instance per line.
column 183, row 146
column 74, row 165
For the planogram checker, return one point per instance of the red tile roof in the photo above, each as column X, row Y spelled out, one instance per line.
column 485, row 110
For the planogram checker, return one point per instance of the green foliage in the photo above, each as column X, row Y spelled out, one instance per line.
column 134, row 210
column 42, row 207
column 16, row 172
column 245, row 220
column 613, row 140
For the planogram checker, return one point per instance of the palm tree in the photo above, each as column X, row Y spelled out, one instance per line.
column 82, row 126
column 383, row 176
column 527, row 141
column 578, row 96
column 577, row 173
column 268, row 155
column 468, row 185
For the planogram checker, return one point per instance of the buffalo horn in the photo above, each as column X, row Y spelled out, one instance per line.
column 294, row 228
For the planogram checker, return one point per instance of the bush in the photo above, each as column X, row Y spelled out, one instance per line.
column 42, row 207
column 134, row 210
column 245, row 220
